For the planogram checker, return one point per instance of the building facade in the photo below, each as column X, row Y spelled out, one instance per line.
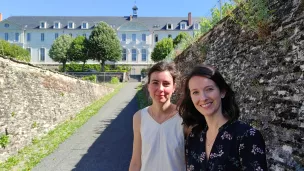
column 138, row 35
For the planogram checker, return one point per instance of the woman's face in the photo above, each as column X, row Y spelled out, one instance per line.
column 206, row 96
column 161, row 86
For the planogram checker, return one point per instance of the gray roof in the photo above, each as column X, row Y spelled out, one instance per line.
column 153, row 23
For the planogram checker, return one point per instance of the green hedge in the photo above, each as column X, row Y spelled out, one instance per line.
column 91, row 78
column 114, row 80
column 14, row 51
column 76, row 67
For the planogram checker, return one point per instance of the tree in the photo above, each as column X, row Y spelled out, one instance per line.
column 104, row 44
column 59, row 50
column 182, row 36
column 14, row 51
column 209, row 23
column 79, row 50
column 162, row 49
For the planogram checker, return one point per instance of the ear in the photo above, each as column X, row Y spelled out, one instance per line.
column 223, row 94
column 174, row 87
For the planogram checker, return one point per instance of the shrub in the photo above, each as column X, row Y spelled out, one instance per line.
column 4, row 140
column 91, row 78
column 114, row 80
column 14, row 51
column 77, row 67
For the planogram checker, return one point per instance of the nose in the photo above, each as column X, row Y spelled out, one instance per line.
column 203, row 96
column 161, row 87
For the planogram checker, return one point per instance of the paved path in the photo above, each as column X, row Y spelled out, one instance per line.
column 104, row 143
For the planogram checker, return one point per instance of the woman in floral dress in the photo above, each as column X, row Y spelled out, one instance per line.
column 217, row 141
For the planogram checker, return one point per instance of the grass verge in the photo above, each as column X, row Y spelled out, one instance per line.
column 31, row 155
column 141, row 97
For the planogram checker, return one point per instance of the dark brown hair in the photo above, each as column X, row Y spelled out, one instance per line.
column 191, row 116
column 163, row 66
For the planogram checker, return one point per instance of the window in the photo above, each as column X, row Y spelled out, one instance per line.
column 84, row 25
column 28, row 37
column 124, row 54
column 17, row 37
column 123, row 37
column 42, row 54
column 156, row 38
column 134, row 54
column 183, row 26
column 143, row 37
column 70, row 25
column 42, row 37
column 133, row 37
column 169, row 26
column 56, row 35
column 57, row 25
column 143, row 55
column 196, row 26
column 169, row 36
column 6, row 25
column 6, row 36
column 43, row 24
column 29, row 50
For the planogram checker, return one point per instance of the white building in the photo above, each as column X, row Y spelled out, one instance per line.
column 138, row 35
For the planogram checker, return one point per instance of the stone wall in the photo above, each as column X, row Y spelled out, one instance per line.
column 267, row 76
column 34, row 100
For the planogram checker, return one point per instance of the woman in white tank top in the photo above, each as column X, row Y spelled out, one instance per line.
column 158, row 131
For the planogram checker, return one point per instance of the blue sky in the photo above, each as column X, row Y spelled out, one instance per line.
column 152, row 8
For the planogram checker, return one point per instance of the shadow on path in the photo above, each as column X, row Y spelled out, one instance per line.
column 112, row 150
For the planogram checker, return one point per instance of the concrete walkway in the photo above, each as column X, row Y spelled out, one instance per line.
column 104, row 143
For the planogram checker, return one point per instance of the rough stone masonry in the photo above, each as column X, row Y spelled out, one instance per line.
column 34, row 100
column 267, row 76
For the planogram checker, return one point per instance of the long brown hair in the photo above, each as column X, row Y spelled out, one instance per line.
column 191, row 116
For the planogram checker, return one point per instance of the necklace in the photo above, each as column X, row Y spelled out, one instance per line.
column 211, row 142
column 159, row 121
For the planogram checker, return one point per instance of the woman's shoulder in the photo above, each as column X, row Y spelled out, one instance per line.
column 244, row 129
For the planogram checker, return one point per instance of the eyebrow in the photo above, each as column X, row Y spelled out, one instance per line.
column 154, row 80
column 204, row 87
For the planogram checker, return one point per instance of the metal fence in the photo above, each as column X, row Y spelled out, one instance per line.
column 102, row 76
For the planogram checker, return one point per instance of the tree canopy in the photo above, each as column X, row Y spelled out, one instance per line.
column 182, row 36
column 162, row 49
column 104, row 44
column 79, row 50
column 59, row 49
column 14, row 51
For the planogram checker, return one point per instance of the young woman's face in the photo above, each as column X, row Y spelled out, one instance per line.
column 205, row 95
column 161, row 86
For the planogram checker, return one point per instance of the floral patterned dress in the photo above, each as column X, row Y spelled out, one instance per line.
column 237, row 146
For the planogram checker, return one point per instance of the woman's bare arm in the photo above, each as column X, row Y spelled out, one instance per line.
column 135, row 164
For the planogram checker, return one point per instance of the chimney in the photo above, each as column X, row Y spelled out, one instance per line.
column 189, row 19
column 0, row 16
column 130, row 18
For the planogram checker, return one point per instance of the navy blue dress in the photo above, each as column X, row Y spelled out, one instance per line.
column 237, row 146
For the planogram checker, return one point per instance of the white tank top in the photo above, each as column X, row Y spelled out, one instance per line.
column 162, row 144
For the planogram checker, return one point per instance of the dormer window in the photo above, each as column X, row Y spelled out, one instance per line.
column 169, row 26
column 196, row 26
column 84, row 25
column 70, row 25
column 43, row 24
column 6, row 25
column 56, row 25
column 183, row 26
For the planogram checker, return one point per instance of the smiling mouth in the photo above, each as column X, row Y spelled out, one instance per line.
column 206, row 105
